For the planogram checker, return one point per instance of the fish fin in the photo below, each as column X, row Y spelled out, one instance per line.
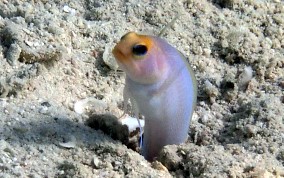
column 169, row 24
column 126, row 98
column 136, row 114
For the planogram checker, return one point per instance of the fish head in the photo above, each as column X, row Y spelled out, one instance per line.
column 141, row 57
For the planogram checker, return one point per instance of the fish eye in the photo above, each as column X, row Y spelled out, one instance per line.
column 139, row 49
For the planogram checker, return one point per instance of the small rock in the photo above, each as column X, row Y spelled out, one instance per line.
column 66, row 8
column 43, row 110
column 251, row 130
column 89, row 104
column 96, row 162
column 13, row 54
column 132, row 123
column 159, row 166
column 70, row 144
column 109, row 59
column 245, row 77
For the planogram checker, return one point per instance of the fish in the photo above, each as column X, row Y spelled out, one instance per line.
column 160, row 85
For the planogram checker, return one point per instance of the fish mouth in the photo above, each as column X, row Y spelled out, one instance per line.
column 121, row 53
column 120, row 57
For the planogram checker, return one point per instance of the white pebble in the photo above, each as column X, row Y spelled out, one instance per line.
column 3, row 103
column 79, row 106
column 29, row 43
column 96, row 162
column 66, row 8
column 92, row 103
column 70, row 144
column 245, row 76
column 208, row 85
column 194, row 117
column 131, row 122
column 109, row 59
column 70, row 10
column 43, row 110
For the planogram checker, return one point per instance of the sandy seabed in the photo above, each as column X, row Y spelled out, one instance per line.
column 56, row 53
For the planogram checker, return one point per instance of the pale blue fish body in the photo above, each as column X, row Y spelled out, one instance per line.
column 168, row 102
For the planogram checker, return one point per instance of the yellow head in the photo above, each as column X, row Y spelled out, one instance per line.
column 140, row 57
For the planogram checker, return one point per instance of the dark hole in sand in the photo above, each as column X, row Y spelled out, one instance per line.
column 111, row 126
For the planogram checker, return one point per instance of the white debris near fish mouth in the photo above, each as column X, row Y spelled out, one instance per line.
column 91, row 103
column 109, row 59
column 131, row 122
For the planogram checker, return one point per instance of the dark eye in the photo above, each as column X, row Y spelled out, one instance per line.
column 139, row 49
